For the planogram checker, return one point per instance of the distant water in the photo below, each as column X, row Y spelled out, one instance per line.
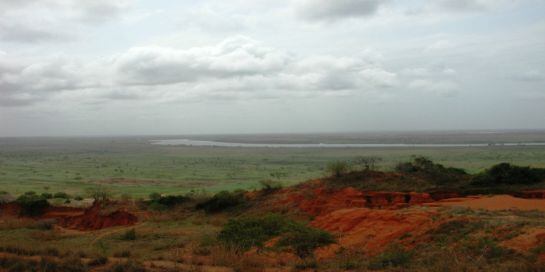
column 188, row 142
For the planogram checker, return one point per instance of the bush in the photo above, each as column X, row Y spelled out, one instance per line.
column 160, row 203
column 222, row 201
column 505, row 173
column 270, row 186
column 367, row 162
column 98, row 261
column 394, row 256
column 61, row 195
column 304, row 239
column 434, row 171
column 47, row 195
column 32, row 204
column 100, row 193
column 128, row 266
column 244, row 233
column 129, row 235
column 337, row 168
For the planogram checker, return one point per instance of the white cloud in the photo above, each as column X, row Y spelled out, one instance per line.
column 236, row 56
column 236, row 68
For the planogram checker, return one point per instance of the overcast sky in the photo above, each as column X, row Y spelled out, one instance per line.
column 121, row 67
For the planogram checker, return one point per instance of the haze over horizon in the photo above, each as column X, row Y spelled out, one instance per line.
column 134, row 67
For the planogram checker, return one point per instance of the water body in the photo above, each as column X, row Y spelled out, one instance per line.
column 188, row 142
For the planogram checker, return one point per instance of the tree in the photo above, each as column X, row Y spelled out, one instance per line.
column 368, row 162
column 337, row 168
column 100, row 193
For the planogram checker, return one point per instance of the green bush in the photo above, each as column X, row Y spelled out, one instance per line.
column 394, row 256
column 505, row 173
column 270, row 186
column 61, row 195
column 161, row 203
column 222, row 201
column 129, row 235
column 303, row 239
column 47, row 195
column 430, row 170
column 244, row 233
column 337, row 168
column 98, row 261
column 128, row 266
column 32, row 204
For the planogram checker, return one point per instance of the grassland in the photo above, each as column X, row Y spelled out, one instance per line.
column 132, row 166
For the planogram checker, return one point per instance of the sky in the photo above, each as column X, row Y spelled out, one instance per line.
column 137, row 67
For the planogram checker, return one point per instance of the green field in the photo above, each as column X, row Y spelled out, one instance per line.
column 132, row 166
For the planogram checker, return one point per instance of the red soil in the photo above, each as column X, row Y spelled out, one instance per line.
column 95, row 218
column 373, row 220
column 322, row 200
column 374, row 229
column 493, row 203
column 9, row 209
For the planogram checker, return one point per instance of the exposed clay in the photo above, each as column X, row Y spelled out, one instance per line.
column 95, row 218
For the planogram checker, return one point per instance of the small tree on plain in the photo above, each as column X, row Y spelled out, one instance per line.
column 368, row 162
column 337, row 168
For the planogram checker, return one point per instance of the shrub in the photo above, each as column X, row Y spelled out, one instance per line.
column 32, row 204
column 72, row 264
column 78, row 198
column 98, row 261
column 61, row 195
column 100, row 193
column 154, row 196
column 505, row 173
column 394, row 256
column 367, row 162
column 129, row 235
column 304, row 239
column 270, row 186
column 160, row 203
column 128, row 266
column 337, row 168
column 47, row 195
column 434, row 171
column 222, row 201
column 45, row 224
column 122, row 254
column 244, row 233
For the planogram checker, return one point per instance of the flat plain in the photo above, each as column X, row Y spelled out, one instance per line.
column 134, row 167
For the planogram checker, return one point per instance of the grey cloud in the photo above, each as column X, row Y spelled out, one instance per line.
column 327, row 10
column 98, row 11
column 460, row 5
column 58, row 19
column 530, row 75
column 237, row 68
column 28, row 34
column 27, row 84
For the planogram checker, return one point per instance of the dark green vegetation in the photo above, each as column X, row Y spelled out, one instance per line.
column 159, row 202
column 134, row 167
column 32, row 204
column 222, row 201
column 244, row 233
column 505, row 173
column 423, row 175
